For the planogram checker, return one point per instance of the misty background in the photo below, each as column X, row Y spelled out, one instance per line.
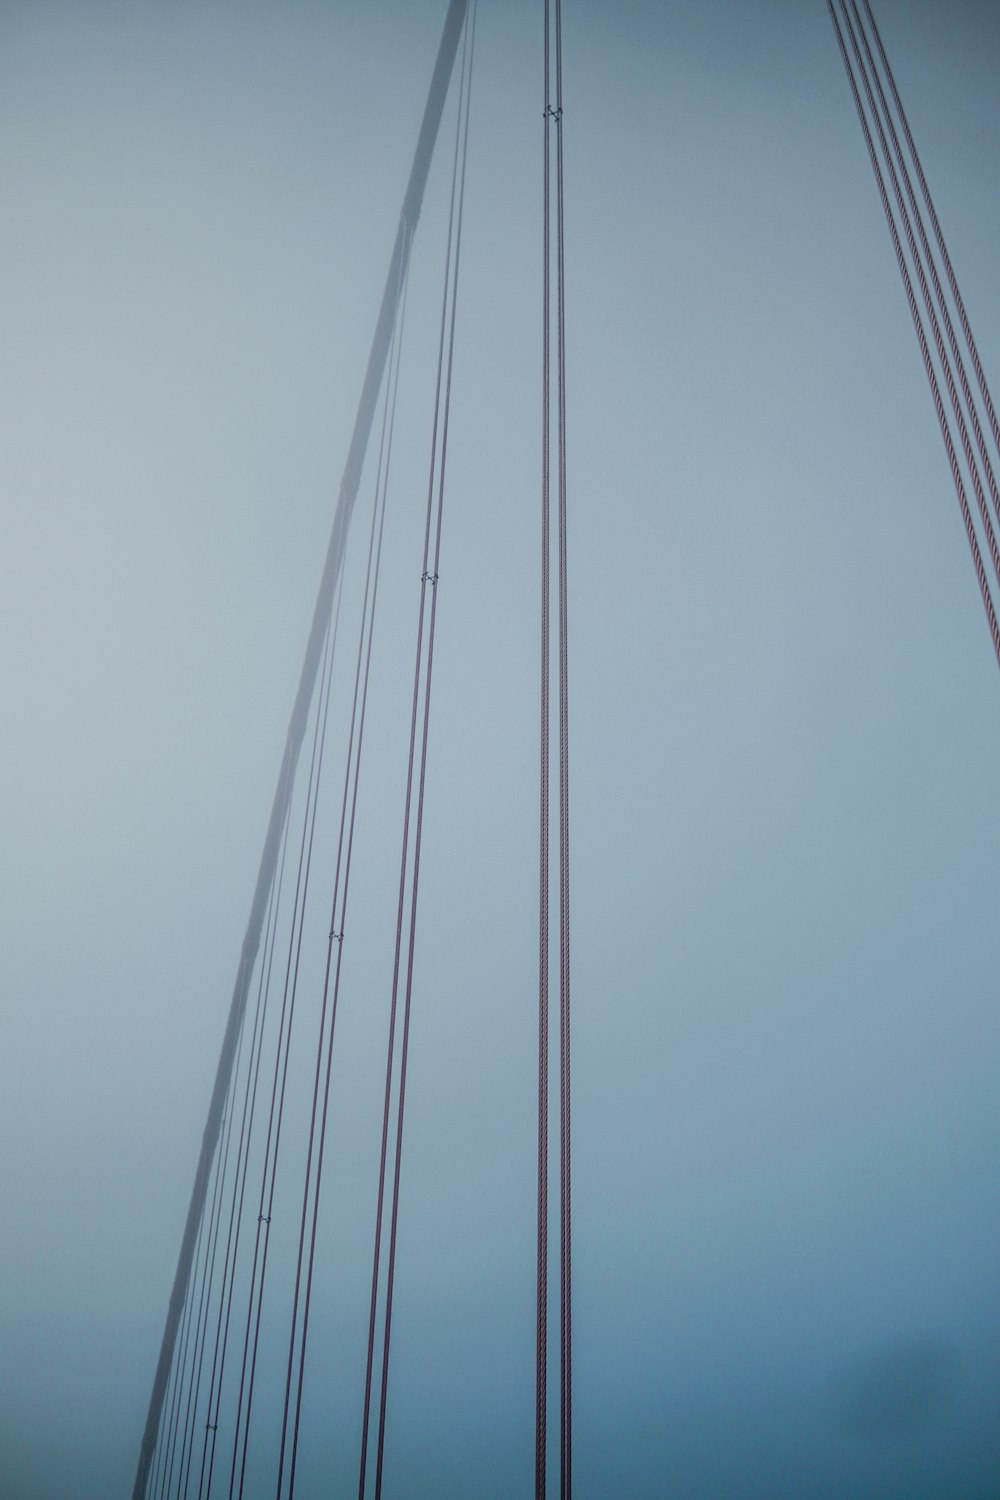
column 785, row 714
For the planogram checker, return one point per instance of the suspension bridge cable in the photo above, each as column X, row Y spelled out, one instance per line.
column 541, row 1284
column 420, row 715
column 199, row 1290
column 280, row 1078
column 417, row 842
column 963, row 432
column 338, row 927
column 929, row 261
column 209, row 1276
column 390, row 1048
column 337, row 977
column 553, row 146
column 410, row 213
column 939, row 236
column 566, row 1341
column 196, row 1292
column 288, row 1007
column 240, row 1180
column 167, row 1439
column 157, row 1464
column 216, row 1215
column 157, row 1473
column 939, row 407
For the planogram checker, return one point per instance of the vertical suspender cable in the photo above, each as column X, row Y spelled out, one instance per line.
column 407, row 809
column 419, row 729
column 297, row 724
column 240, row 1182
column 282, row 1053
column 542, row 1272
column 432, row 580
column 337, row 930
column 564, row 966
column 167, row 1439
column 198, row 1292
column 553, row 136
column 215, row 1220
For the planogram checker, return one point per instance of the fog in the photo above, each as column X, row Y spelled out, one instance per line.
column 784, row 720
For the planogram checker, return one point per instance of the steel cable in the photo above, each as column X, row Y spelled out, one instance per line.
column 166, row 1441
column 963, row 433
column 553, row 144
column 542, row 1248
column 280, row 1079
column 956, row 353
column 196, row 1292
column 423, row 669
column 240, row 1178
column 566, row 1341
column 924, row 349
column 946, row 259
column 348, row 814
column 202, row 1331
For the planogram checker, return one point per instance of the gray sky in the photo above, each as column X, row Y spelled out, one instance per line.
column 785, row 710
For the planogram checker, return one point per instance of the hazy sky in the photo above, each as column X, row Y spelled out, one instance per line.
column 785, row 715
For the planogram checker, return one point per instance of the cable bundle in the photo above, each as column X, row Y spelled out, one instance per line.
column 924, row 258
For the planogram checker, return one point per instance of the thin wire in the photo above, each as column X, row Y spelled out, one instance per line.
column 157, row 1464
column 949, row 272
column 196, row 1290
column 963, row 431
column 987, row 467
column 216, row 1212
column 390, row 1048
column 215, row 1221
column 566, row 1426
column 169, row 1437
column 338, row 930
column 924, row 349
column 428, row 578
column 157, row 1470
column 240, row 1176
column 541, row 1284
column 247, row 1377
